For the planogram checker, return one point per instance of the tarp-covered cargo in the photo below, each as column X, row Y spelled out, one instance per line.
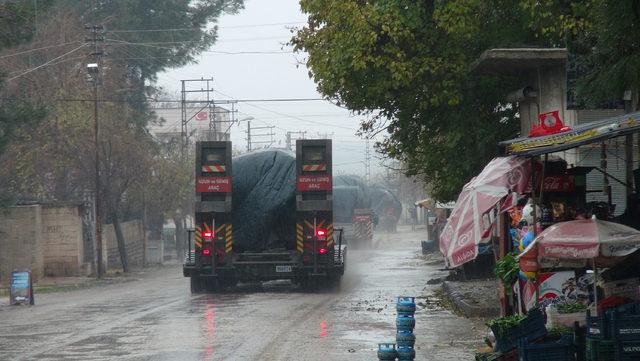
column 384, row 201
column 264, row 206
column 349, row 193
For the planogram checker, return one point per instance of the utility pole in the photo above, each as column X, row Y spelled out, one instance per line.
column 94, row 71
column 367, row 161
column 248, row 136
column 289, row 142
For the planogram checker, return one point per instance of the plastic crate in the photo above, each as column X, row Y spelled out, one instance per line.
column 598, row 326
column 509, row 356
column 529, row 329
column 561, row 350
column 625, row 327
column 486, row 356
column 627, row 351
column 600, row 350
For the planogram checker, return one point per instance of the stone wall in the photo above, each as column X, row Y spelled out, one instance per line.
column 133, row 236
column 20, row 241
column 62, row 240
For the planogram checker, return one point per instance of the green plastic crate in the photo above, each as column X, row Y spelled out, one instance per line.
column 600, row 350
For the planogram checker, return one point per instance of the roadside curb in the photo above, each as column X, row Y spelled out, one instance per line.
column 467, row 310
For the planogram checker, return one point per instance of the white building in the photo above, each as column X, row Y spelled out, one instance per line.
column 204, row 122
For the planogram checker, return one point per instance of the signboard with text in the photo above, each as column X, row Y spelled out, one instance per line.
column 213, row 184
column 21, row 290
column 306, row 183
column 559, row 183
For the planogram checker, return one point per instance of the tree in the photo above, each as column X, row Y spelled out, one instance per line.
column 407, row 65
column 16, row 18
column 391, row 60
column 51, row 163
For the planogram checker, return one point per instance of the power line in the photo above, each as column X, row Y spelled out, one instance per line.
column 46, row 63
column 199, row 29
column 37, row 49
column 179, row 101
column 288, row 116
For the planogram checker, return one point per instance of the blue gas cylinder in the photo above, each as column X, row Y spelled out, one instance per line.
column 405, row 338
column 406, row 304
column 405, row 321
column 406, row 353
column 387, row 351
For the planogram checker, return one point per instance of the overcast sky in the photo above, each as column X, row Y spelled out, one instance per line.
column 263, row 26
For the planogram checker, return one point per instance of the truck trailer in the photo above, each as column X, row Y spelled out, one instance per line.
column 306, row 250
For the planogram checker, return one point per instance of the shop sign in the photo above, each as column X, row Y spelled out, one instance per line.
column 21, row 289
column 305, row 183
column 213, row 184
column 559, row 183
column 551, row 286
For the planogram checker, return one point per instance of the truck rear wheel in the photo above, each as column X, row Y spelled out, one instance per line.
column 197, row 284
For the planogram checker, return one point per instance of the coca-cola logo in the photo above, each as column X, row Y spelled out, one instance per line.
column 463, row 240
column 514, row 177
column 558, row 184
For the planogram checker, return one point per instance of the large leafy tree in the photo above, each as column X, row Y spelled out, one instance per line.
column 392, row 60
column 408, row 65
column 142, row 38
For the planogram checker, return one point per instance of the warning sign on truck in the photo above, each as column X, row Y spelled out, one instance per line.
column 307, row 183
column 213, row 184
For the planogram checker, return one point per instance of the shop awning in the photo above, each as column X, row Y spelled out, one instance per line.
column 469, row 223
column 581, row 134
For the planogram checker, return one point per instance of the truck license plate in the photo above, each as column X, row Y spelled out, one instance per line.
column 283, row 268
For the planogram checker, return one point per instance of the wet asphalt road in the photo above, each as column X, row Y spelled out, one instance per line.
column 156, row 318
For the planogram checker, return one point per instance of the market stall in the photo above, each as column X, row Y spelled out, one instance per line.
column 568, row 265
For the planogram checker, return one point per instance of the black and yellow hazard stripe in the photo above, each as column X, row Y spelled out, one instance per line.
column 369, row 230
column 228, row 247
column 218, row 230
column 308, row 224
column 198, row 237
column 330, row 235
column 299, row 237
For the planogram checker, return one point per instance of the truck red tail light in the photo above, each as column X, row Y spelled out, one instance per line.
column 321, row 234
column 206, row 252
column 322, row 250
column 208, row 235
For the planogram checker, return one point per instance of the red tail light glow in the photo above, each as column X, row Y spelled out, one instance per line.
column 206, row 252
column 322, row 250
column 321, row 233
column 207, row 235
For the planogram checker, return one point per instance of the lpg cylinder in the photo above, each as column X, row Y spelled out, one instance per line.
column 406, row 304
column 406, row 353
column 405, row 321
column 387, row 351
column 405, row 338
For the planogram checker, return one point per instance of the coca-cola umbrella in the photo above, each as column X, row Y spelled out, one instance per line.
column 470, row 223
column 583, row 240
column 574, row 243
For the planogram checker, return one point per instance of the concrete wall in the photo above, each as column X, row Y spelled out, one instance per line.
column 20, row 241
column 133, row 235
column 62, row 240
column 550, row 82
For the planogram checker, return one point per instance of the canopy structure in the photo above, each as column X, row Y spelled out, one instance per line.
column 582, row 134
column 469, row 223
column 583, row 240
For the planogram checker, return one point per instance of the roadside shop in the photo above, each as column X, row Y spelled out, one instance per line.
column 569, row 265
